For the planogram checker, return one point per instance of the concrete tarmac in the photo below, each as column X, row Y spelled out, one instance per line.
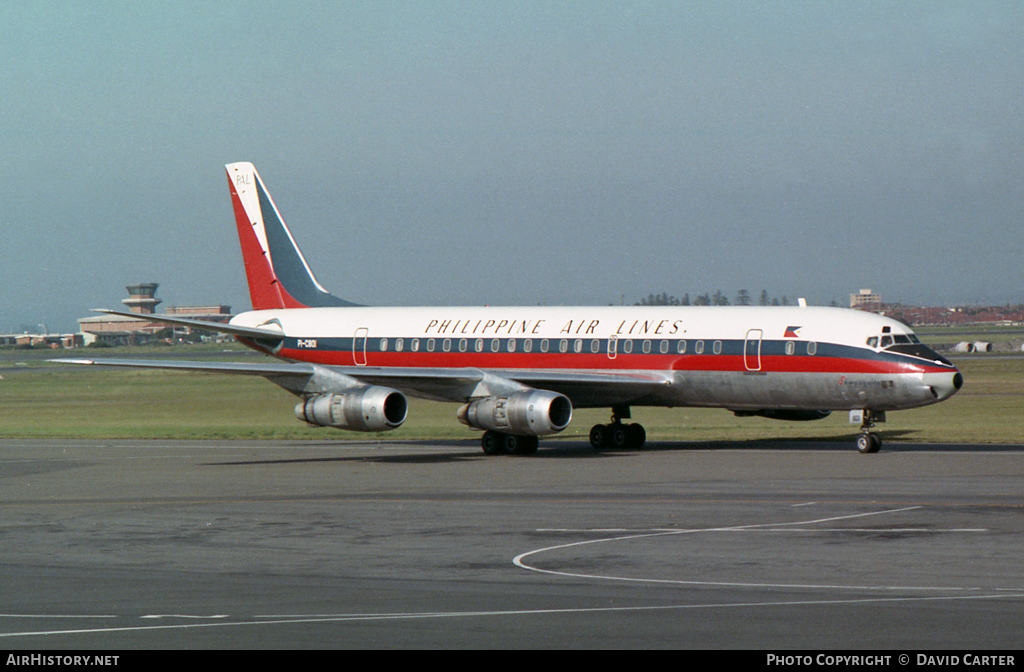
column 260, row 544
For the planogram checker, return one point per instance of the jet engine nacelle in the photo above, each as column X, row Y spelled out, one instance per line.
column 361, row 409
column 532, row 412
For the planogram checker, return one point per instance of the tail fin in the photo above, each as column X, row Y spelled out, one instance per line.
column 278, row 274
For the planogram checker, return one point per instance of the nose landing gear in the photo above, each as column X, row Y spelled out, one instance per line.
column 868, row 441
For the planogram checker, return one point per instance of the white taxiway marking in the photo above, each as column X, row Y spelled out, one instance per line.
column 214, row 616
column 349, row 618
column 56, row 616
column 665, row 530
column 519, row 560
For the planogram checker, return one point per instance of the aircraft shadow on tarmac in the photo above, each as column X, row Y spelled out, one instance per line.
column 575, row 449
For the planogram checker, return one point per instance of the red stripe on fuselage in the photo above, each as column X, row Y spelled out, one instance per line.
column 601, row 362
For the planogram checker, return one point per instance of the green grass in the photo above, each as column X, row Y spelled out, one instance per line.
column 44, row 401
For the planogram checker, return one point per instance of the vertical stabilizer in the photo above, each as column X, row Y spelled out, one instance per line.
column 278, row 274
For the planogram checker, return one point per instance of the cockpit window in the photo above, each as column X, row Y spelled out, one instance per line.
column 888, row 340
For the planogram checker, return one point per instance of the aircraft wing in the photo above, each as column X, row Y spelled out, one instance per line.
column 587, row 389
column 246, row 368
column 442, row 384
column 447, row 384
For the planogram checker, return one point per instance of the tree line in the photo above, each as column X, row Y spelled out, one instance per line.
column 742, row 298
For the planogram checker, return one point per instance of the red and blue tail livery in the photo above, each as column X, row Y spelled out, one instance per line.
column 278, row 274
column 518, row 373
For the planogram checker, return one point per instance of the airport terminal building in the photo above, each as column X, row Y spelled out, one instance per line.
column 120, row 330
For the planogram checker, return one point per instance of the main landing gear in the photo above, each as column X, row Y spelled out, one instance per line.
column 617, row 435
column 868, row 441
column 499, row 443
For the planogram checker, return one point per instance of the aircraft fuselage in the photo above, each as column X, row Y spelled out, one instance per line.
column 740, row 358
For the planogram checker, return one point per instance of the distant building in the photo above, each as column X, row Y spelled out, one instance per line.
column 41, row 340
column 865, row 299
column 120, row 330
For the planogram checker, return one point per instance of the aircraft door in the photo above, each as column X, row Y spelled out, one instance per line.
column 359, row 346
column 752, row 350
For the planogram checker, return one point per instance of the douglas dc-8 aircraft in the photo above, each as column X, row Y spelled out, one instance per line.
column 520, row 372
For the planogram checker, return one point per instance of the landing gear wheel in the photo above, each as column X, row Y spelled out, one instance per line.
column 636, row 436
column 492, row 442
column 527, row 445
column 510, row 444
column 869, row 443
column 618, row 436
column 499, row 443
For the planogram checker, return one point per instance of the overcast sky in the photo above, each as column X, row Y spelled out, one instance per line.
column 514, row 152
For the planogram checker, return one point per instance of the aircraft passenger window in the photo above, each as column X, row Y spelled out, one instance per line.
column 511, row 345
column 790, row 347
column 873, row 341
column 647, row 347
column 627, row 346
column 479, row 345
column 595, row 345
column 430, row 345
column 812, row 348
column 415, row 345
column 886, row 341
column 495, row 344
column 463, row 344
column 717, row 347
column 528, row 345
column 578, row 345
column 681, row 347
column 563, row 345
column 698, row 348
column 383, row 345
column 664, row 347
column 544, row 345
column 446, row 345
column 399, row 344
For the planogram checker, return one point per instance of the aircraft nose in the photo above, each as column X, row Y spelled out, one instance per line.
column 946, row 385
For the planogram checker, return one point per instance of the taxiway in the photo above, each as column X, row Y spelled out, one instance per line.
column 262, row 544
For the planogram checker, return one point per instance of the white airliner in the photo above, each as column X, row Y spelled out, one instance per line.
column 520, row 371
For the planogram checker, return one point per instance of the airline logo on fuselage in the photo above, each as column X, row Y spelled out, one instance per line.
column 791, row 332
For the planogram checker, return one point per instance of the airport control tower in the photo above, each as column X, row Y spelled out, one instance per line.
column 142, row 298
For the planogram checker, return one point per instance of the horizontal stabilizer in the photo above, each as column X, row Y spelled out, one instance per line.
column 219, row 327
